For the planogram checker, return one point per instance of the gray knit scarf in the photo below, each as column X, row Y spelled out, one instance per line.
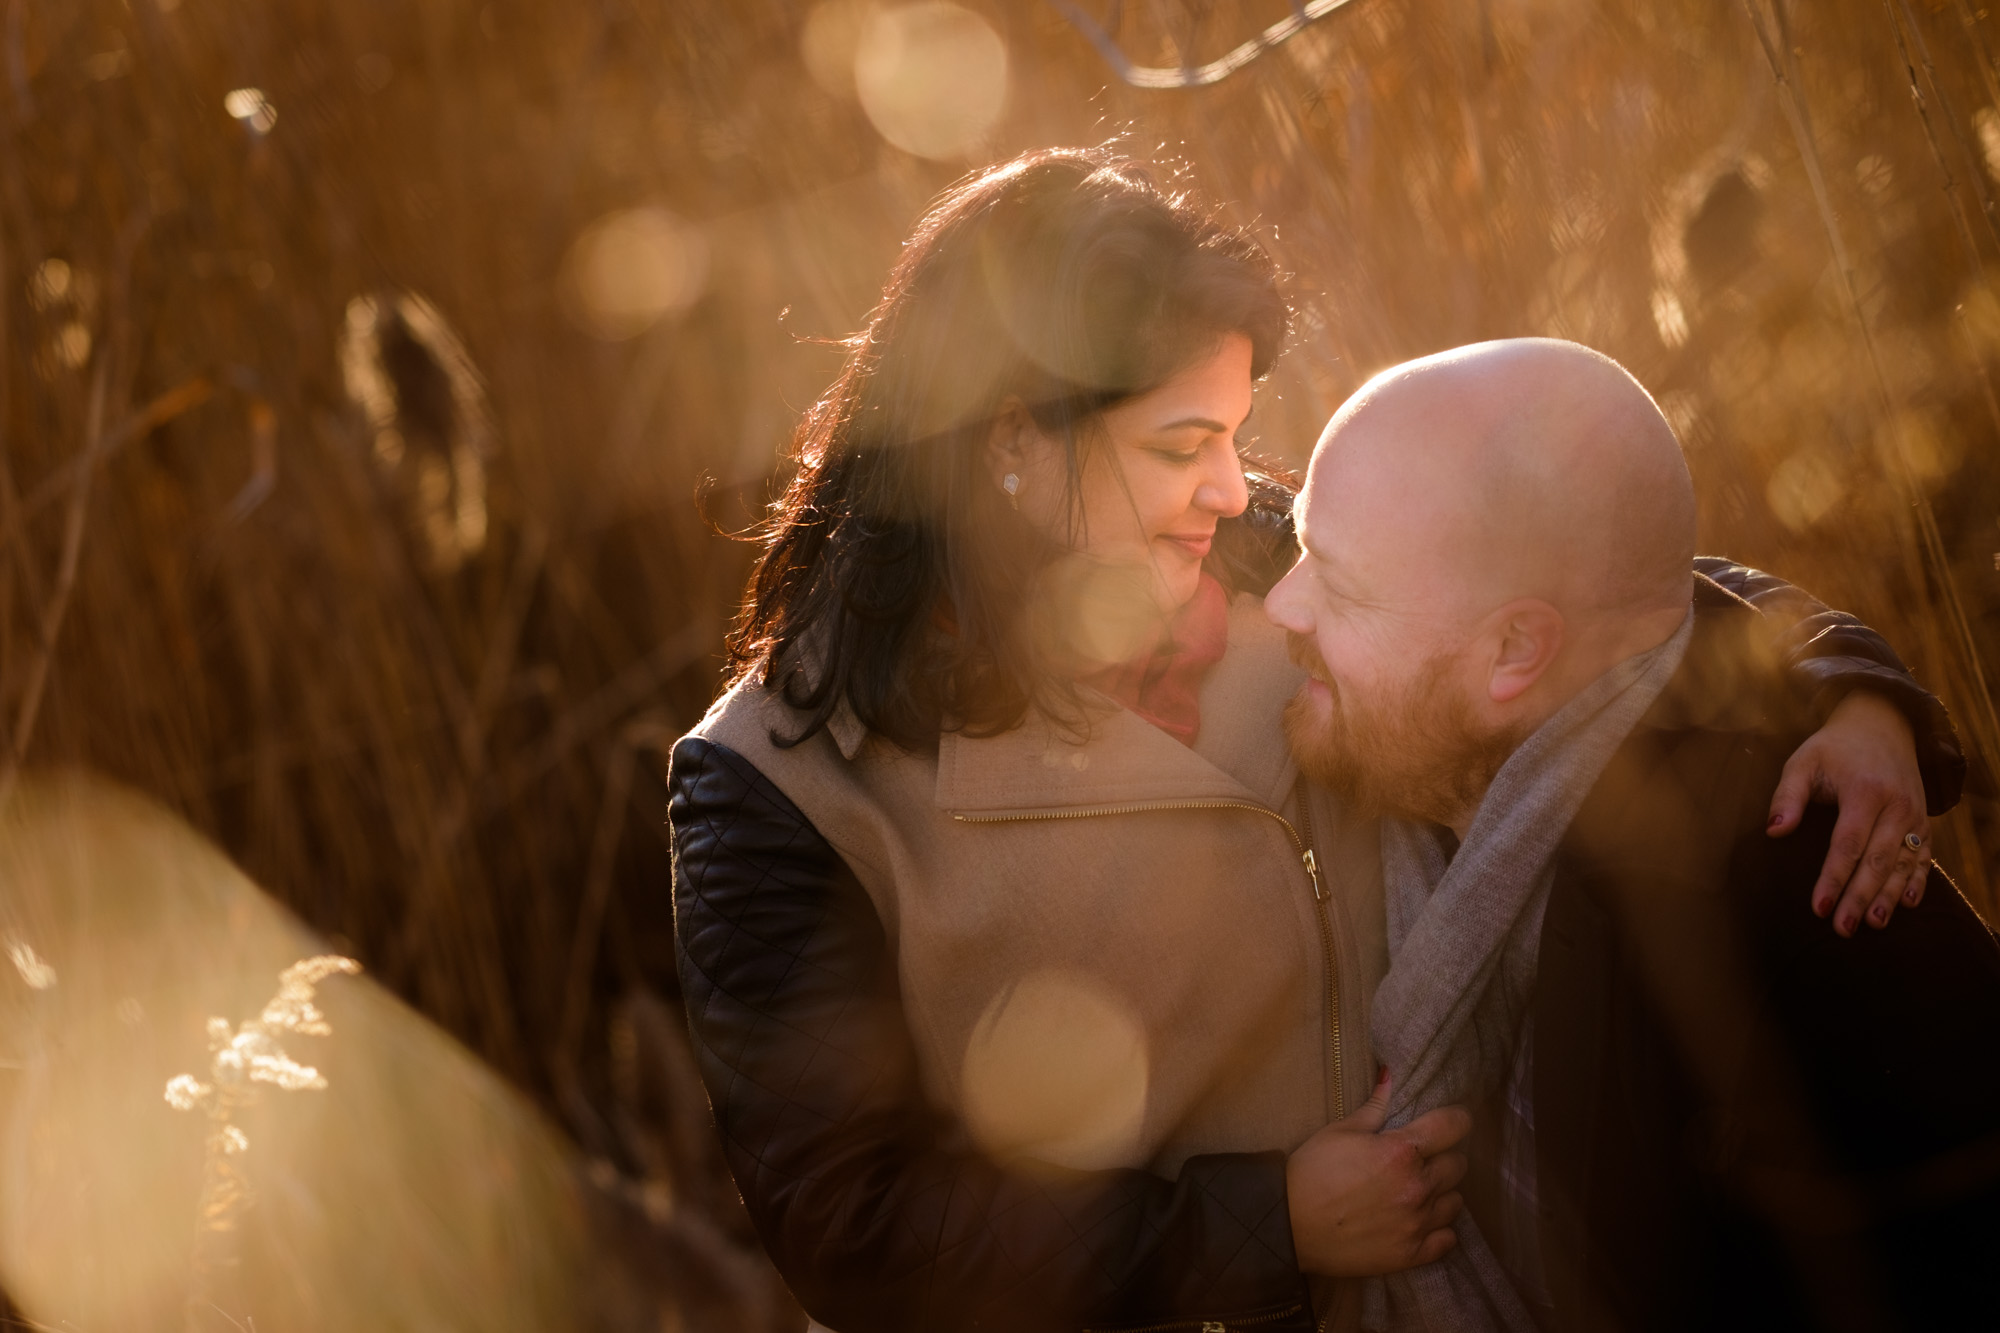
column 1464, row 932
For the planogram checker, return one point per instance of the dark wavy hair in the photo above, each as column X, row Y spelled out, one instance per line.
column 893, row 576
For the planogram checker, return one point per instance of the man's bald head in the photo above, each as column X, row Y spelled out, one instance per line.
column 1524, row 468
column 1485, row 532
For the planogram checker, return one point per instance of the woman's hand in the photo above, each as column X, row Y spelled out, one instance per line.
column 1864, row 760
column 1365, row 1200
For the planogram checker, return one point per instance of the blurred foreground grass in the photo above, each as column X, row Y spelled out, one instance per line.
column 396, row 1184
column 358, row 365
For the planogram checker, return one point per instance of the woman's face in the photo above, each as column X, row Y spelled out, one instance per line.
column 1168, row 471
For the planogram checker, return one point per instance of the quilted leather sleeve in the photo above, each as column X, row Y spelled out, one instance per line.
column 1830, row 652
column 871, row 1204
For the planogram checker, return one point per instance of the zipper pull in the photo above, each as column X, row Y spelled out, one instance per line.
column 1312, row 873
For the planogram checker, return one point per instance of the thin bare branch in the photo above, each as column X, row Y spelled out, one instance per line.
column 1904, row 25
column 1303, row 16
column 644, row 734
column 53, row 615
column 183, row 397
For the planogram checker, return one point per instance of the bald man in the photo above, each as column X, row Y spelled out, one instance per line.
column 1697, row 1107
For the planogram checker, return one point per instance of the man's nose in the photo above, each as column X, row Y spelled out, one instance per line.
column 1284, row 608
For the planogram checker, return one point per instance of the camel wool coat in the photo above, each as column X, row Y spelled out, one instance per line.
column 1123, row 952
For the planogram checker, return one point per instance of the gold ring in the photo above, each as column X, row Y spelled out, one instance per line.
column 1913, row 842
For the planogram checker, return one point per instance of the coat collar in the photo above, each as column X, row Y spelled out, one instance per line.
column 847, row 730
column 1239, row 756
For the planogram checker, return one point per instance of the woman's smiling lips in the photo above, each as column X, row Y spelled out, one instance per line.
column 1195, row 544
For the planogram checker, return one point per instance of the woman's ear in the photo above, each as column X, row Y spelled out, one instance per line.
column 1010, row 445
column 1526, row 635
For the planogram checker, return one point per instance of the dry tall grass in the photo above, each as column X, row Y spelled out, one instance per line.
column 328, row 517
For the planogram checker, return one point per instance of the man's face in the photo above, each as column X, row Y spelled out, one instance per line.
column 1390, row 718
column 1409, row 746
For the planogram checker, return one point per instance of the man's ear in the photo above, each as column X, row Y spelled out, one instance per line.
column 1526, row 635
column 1010, row 441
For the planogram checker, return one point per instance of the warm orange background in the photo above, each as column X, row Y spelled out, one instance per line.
column 393, row 340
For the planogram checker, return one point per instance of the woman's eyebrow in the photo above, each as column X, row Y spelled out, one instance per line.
column 1208, row 424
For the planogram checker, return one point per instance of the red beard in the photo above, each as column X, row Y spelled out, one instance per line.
column 1417, row 753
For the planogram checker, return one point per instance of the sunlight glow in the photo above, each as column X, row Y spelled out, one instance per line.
column 250, row 106
column 932, row 77
column 1057, row 1070
column 829, row 41
column 629, row 270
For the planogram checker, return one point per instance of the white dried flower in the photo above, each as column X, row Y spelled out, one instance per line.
column 37, row 973
column 185, row 1092
column 240, row 1056
column 292, row 1008
column 251, row 1053
column 259, row 1055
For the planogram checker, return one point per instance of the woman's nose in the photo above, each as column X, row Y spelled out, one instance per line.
column 1223, row 491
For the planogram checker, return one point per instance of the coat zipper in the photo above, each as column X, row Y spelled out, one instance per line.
column 1324, row 909
column 1302, row 844
column 1326, row 943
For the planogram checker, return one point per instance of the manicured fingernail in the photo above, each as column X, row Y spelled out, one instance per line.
column 1910, row 896
column 1846, row 923
column 1775, row 821
column 1881, row 913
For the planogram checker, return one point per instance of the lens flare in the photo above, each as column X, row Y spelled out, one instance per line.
column 1056, row 1070
column 629, row 270
column 1804, row 489
column 828, row 44
column 932, row 78
column 250, row 106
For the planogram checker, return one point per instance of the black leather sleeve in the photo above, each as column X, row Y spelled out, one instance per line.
column 1830, row 652
column 873, row 1207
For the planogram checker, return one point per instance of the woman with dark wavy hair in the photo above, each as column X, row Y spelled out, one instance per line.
column 1028, row 982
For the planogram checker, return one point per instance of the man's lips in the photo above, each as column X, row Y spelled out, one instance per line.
column 1305, row 655
column 1196, row 544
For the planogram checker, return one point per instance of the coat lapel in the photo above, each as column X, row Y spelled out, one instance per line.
column 1239, row 756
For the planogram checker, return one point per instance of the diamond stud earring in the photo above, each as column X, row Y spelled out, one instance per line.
column 1011, row 484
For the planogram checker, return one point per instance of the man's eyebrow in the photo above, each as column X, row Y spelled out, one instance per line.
column 1315, row 554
